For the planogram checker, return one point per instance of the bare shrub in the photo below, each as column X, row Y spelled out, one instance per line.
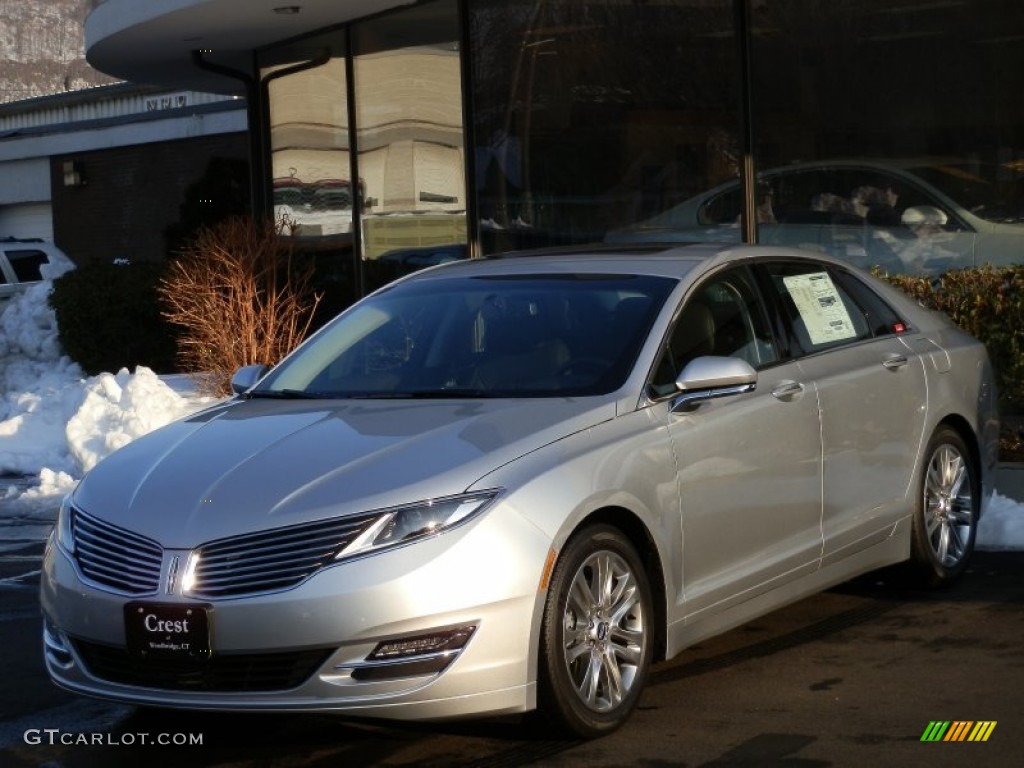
column 240, row 299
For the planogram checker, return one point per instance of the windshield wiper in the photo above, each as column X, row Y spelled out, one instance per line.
column 284, row 394
column 426, row 394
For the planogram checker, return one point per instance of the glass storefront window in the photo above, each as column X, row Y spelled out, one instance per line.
column 311, row 181
column 886, row 133
column 592, row 118
column 409, row 136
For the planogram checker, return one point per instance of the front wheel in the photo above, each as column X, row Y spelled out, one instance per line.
column 946, row 518
column 596, row 638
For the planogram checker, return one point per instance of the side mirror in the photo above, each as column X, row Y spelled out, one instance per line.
column 245, row 378
column 924, row 215
column 710, row 377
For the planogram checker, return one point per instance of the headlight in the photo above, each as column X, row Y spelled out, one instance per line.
column 403, row 525
column 65, row 533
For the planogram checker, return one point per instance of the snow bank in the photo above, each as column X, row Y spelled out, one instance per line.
column 40, row 388
column 1002, row 526
column 56, row 424
column 117, row 409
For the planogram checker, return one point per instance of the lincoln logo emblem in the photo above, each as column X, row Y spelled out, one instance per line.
column 172, row 574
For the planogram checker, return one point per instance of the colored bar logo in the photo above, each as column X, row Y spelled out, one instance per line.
column 958, row 730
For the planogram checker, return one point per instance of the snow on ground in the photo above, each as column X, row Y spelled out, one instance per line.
column 56, row 424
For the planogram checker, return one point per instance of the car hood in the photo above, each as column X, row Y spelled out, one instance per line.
column 254, row 464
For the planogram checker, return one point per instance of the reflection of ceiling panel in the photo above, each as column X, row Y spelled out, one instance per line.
column 390, row 134
column 394, row 88
column 307, row 165
column 308, row 136
column 311, row 96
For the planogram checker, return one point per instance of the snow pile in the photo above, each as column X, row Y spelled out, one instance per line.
column 118, row 409
column 1002, row 526
column 28, row 327
column 56, row 424
column 40, row 388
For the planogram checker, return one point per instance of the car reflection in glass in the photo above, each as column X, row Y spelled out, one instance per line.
column 513, row 484
column 922, row 216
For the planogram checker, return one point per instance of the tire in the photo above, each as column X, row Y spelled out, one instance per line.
column 596, row 644
column 945, row 520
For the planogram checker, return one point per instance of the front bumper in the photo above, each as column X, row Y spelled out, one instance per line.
column 307, row 648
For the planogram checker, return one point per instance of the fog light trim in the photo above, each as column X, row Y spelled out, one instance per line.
column 395, row 669
column 56, row 648
column 418, row 645
column 421, row 655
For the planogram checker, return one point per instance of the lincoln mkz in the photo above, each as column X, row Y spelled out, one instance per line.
column 517, row 483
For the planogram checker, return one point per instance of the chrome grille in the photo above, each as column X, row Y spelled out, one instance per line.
column 269, row 561
column 114, row 557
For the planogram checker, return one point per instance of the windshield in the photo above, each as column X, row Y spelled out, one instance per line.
column 495, row 336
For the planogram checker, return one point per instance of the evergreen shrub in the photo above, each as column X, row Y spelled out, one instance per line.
column 108, row 318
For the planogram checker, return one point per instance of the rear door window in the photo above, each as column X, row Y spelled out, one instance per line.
column 819, row 309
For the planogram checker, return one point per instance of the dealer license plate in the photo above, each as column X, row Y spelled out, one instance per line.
column 160, row 630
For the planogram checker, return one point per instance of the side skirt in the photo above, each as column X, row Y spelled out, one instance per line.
column 892, row 550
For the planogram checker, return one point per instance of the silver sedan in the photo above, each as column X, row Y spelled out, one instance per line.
column 512, row 484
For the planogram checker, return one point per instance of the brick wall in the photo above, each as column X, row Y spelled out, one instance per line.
column 130, row 195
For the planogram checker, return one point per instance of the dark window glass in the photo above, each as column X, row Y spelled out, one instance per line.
column 592, row 118
column 883, row 133
column 881, row 319
column 26, row 265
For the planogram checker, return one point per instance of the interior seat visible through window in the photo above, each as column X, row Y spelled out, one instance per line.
column 724, row 318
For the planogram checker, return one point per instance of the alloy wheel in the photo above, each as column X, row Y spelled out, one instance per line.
column 948, row 505
column 603, row 631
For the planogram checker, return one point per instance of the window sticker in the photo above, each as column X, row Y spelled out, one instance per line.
column 820, row 307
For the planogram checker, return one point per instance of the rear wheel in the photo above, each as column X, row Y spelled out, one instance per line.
column 946, row 519
column 596, row 639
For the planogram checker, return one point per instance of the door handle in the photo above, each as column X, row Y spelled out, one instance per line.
column 894, row 362
column 787, row 390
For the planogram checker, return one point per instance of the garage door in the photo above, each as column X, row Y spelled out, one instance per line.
column 27, row 220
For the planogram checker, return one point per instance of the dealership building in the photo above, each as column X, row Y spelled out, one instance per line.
column 379, row 126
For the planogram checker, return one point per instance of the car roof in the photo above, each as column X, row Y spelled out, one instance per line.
column 668, row 260
column 903, row 167
column 674, row 260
